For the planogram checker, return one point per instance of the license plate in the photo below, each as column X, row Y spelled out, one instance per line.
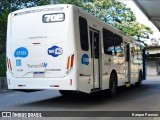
column 38, row 74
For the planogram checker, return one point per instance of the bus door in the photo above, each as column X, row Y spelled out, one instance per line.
column 127, row 63
column 94, row 42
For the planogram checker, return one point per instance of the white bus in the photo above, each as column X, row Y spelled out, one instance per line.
column 61, row 47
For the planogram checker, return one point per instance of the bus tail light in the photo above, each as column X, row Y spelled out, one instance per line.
column 70, row 63
column 72, row 60
column 9, row 64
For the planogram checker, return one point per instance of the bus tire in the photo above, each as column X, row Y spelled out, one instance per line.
column 139, row 82
column 113, row 85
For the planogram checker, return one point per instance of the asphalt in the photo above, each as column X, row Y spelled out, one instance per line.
column 144, row 98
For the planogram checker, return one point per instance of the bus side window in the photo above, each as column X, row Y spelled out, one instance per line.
column 83, row 27
column 108, row 42
column 139, row 55
column 132, row 50
column 90, row 33
column 96, row 45
column 118, row 48
column 127, row 52
column 137, row 50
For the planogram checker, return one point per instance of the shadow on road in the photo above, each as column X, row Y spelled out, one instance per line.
column 85, row 101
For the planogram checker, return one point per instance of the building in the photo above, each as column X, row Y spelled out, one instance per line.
column 153, row 60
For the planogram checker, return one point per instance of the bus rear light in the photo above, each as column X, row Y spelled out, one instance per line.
column 72, row 60
column 9, row 64
column 70, row 63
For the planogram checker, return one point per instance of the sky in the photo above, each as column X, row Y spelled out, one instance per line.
column 141, row 17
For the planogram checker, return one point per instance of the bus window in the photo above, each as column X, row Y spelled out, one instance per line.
column 132, row 50
column 96, row 44
column 118, row 45
column 139, row 55
column 83, row 27
column 108, row 42
column 90, row 33
column 127, row 52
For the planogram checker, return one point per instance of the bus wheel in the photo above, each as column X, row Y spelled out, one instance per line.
column 67, row 93
column 113, row 85
column 139, row 80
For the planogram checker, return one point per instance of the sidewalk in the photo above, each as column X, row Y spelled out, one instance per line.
column 153, row 77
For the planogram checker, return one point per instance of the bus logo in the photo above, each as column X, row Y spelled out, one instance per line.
column 21, row 52
column 55, row 51
column 18, row 62
column 42, row 65
column 85, row 59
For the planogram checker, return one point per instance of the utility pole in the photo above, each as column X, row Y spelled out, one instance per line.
column 53, row 1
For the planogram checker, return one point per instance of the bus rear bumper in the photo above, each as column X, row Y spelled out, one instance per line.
column 66, row 83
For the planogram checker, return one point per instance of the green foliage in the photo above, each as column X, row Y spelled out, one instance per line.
column 114, row 13
column 110, row 11
column 133, row 28
column 73, row 2
column 3, row 28
column 12, row 5
column 2, row 65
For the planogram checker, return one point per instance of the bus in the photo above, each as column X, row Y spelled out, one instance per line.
column 61, row 47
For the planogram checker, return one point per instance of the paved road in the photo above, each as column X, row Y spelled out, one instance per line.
column 144, row 98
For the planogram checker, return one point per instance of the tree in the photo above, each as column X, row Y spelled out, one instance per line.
column 134, row 28
column 3, row 30
column 114, row 13
column 12, row 5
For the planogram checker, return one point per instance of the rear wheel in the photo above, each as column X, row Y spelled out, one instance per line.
column 139, row 80
column 113, row 85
